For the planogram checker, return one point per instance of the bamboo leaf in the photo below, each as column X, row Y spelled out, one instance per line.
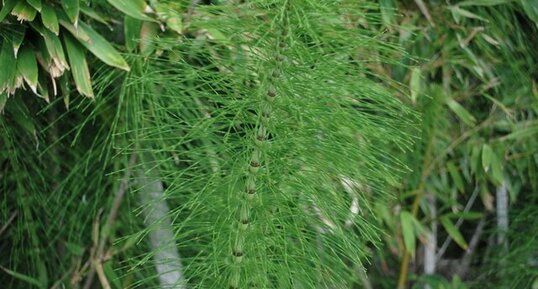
column 531, row 9
column 24, row 12
column 25, row 278
column 66, row 90
column 133, row 8
column 7, row 58
column 71, row 8
column 459, row 12
column 487, row 156
column 408, row 232
column 42, row 87
column 522, row 132
column 76, row 31
column 101, row 48
column 496, row 172
column 17, row 36
column 35, row 3
column 465, row 215
column 461, row 112
column 27, row 67
column 415, row 84
column 3, row 101
column 88, row 11
column 7, row 8
column 455, row 175
column 49, row 19
column 453, row 232
column 55, row 49
column 79, row 66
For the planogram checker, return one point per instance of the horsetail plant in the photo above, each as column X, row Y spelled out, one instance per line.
column 260, row 127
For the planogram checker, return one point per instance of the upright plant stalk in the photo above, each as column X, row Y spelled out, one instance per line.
column 502, row 214
column 161, row 236
column 266, row 97
column 431, row 238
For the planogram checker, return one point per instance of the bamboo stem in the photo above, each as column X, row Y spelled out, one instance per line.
column 502, row 214
column 166, row 258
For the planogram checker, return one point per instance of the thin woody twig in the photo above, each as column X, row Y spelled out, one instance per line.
column 448, row 239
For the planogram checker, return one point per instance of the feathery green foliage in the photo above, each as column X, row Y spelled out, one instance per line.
column 266, row 128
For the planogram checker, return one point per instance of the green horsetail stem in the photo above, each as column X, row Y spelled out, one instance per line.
column 255, row 163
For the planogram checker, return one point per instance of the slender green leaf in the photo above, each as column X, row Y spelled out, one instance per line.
column 531, row 9
column 36, row 4
column 66, row 90
column 453, row 232
column 7, row 58
column 415, row 83
column 49, row 19
column 42, row 87
column 7, row 8
column 3, row 101
column 102, row 49
column 56, row 51
column 76, row 31
column 456, row 176
column 487, row 156
column 25, row 278
column 17, row 36
column 461, row 112
column 408, row 231
column 71, row 8
column 133, row 8
column 460, row 12
column 27, row 67
column 79, row 66
column 23, row 11
column 496, row 172
column 522, row 132
column 465, row 215
column 88, row 11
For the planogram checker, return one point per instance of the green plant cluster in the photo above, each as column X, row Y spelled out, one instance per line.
column 268, row 144
column 258, row 124
column 475, row 87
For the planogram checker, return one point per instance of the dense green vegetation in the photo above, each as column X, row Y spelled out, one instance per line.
column 268, row 144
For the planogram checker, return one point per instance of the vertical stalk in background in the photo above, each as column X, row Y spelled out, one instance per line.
column 502, row 215
column 157, row 219
column 431, row 238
